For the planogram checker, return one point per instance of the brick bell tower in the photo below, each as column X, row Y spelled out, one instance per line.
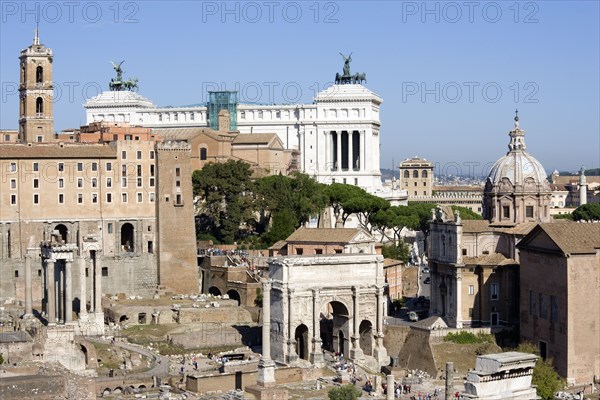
column 36, row 122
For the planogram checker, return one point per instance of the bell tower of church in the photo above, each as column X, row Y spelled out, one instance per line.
column 36, row 122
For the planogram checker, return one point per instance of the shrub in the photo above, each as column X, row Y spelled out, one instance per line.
column 464, row 337
column 346, row 392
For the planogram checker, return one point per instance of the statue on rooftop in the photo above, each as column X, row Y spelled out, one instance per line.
column 117, row 83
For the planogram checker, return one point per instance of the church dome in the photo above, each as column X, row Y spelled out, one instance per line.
column 518, row 166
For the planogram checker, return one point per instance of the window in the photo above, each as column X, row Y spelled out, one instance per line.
column 104, row 271
column 178, row 201
column 406, row 174
column 355, row 181
column 139, row 170
column 424, row 175
column 415, row 174
column 94, row 182
column 80, row 198
column 13, row 183
column 94, row 166
column 260, row 115
column 13, row 199
column 124, row 197
column 424, row 193
column 61, row 183
column 108, row 182
column 299, row 251
column 36, row 167
column 124, row 182
column 160, row 118
column 203, row 155
column 61, row 167
column 36, row 198
column 36, row 183
column 39, row 74
column 543, row 306
column 318, row 251
column 338, row 251
column 39, row 106
column 151, row 197
column 139, row 182
column 151, row 170
column 109, row 227
column 192, row 117
column 178, row 183
column 506, row 211
column 109, row 166
column 13, row 167
column 471, row 290
column 124, row 155
column 79, row 183
column 177, row 171
column 94, row 198
column 464, row 252
column 528, row 211
column 415, row 183
column 553, row 309
column 61, row 198
column 152, row 154
column 123, row 170
column 243, row 115
column 140, row 197
column 109, row 197
column 495, row 289
column 176, row 117
column 139, row 154
column 151, row 182
column 79, row 166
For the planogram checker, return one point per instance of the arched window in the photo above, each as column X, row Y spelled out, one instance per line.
column 424, row 174
column 39, row 105
column 415, row 174
column 203, row 153
column 406, row 174
column 39, row 75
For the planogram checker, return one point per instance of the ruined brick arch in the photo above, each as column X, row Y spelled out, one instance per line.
column 118, row 390
column 215, row 291
column 234, row 295
column 106, row 392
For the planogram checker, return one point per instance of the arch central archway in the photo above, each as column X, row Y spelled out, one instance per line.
column 127, row 236
column 335, row 327
column 62, row 231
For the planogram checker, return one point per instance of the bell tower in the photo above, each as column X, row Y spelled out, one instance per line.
column 36, row 122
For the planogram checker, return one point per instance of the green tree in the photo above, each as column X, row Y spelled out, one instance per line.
column 365, row 206
column 339, row 195
column 466, row 213
column 544, row 377
column 587, row 212
column 563, row 216
column 284, row 224
column 226, row 191
column 1, row 359
column 346, row 392
column 401, row 251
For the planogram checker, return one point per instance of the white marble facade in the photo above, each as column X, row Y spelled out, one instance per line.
column 337, row 135
column 327, row 303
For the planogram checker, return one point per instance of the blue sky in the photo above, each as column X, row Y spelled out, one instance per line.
column 450, row 73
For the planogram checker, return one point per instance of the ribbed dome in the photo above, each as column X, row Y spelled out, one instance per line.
column 517, row 165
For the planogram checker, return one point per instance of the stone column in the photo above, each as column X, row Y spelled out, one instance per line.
column 458, row 304
column 291, row 352
column 97, row 283
column 82, row 288
column 316, row 357
column 266, row 366
column 449, row 381
column 350, row 148
column 68, row 292
column 339, row 150
column 380, row 353
column 356, row 353
column 389, row 394
column 363, row 160
column 28, row 293
column 51, row 299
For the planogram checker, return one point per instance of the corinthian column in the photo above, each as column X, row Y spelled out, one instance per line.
column 51, row 299
column 68, row 292
column 316, row 356
column 82, row 288
column 266, row 366
column 380, row 353
column 291, row 352
column 356, row 352
column 97, row 283
column 28, row 292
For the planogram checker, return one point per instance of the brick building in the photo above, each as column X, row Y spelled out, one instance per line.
column 561, row 312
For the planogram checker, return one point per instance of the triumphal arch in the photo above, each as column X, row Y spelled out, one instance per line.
column 322, row 303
